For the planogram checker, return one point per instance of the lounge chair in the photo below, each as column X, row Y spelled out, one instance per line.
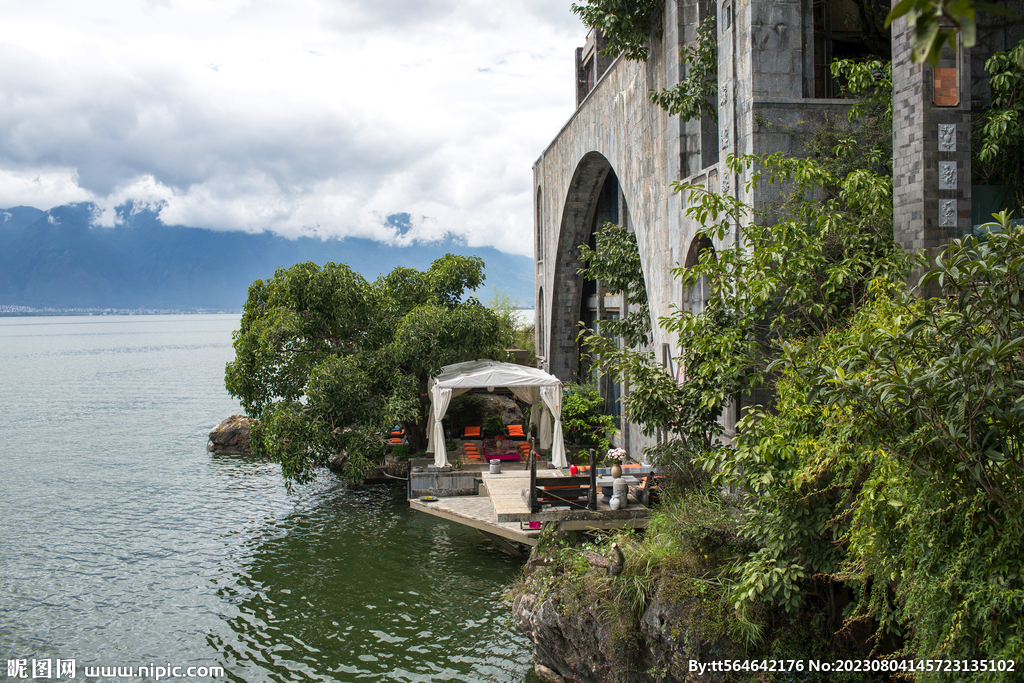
column 516, row 432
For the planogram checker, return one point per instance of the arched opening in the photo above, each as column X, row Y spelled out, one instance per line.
column 595, row 198
column 696, row 296
column 542, row 355
column 578, row 214
column 539, row 225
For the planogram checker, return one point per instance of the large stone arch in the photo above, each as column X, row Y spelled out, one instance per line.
column 577, row 218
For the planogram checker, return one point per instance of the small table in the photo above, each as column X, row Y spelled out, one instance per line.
column 507, row 451
column 608, row 480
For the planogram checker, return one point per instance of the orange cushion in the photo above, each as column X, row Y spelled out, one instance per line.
column 472, row 431
column 396, row 441
column 516, row 430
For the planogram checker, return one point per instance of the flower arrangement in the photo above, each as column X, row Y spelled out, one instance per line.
column 617, row 455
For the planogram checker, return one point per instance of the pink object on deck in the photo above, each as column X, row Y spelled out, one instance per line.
column 503, row 450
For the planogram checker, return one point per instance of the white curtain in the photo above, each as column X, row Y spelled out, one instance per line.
column 529, row 395
column 430, row 415
column 552, row 399
column 545, row 428
column 439, row 400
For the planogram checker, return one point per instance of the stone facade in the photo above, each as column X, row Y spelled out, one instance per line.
column 619, row 154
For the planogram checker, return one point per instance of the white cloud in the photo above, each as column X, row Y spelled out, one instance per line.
column 305, row 116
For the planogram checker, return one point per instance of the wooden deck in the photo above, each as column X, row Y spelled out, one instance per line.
column 505, row 492
column 500, row 511
column 476, row 512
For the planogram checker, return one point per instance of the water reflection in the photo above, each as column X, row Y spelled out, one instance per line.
column 126, row 543
column 351, row 586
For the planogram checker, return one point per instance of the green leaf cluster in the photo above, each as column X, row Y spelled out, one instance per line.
column 628, row 24
column 695, row 94
column 327, row 362
column 885, row 484
column 937, row 23
column 583, row 417
column 615, row 264
column 999, row 137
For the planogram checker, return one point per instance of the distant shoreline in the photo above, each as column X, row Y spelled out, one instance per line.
column 526, row 314
column 27, row 311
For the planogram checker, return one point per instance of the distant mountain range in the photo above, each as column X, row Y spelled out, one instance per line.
column 58, row 259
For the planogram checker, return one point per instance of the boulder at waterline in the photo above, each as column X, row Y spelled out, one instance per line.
column 231, row 435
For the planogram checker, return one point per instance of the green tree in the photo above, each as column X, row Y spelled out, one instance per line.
column 627, row 24
column 937, row 390
column 1000, row 136
column 326, row 362
column 937, row 23
column 516, row 332
column 695, row 94
column 584, row 419
column 789, row 281
column 615, row 263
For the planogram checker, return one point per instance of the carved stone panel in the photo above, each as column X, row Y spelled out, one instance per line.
column 947, row 213
column 947, row 175
column 947, row 137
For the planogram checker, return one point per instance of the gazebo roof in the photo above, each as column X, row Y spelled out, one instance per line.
column 491, row 373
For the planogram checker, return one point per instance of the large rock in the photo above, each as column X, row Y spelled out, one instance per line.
column 574, row 645
column 231, row 435
column 504, row 406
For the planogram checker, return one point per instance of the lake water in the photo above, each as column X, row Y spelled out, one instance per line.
column 124, row 543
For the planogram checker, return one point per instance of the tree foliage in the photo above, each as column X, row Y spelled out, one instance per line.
column 328, row 362
column 1000, row 136
column 696, row 93
column 584, row 419
column 615, row 263
column 880, row 487
column 937, row 23
column 627, row 24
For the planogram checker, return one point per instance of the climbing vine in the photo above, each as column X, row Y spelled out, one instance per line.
column 694, row 95
column 627, row 24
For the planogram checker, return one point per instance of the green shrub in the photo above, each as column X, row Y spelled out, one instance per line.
column 583, row 418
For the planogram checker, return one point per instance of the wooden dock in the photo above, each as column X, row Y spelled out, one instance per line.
column 500, row 512
column 478, row 512
column 505, row 492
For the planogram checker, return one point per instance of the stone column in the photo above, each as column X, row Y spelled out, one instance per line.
column 931, row 146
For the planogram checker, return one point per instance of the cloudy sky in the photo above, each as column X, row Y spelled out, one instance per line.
column 296, row 116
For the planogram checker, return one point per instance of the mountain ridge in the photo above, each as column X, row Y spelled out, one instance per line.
column 59, row 259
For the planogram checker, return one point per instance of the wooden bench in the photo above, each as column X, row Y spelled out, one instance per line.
column 578, row 492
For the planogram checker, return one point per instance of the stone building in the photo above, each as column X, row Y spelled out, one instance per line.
column 617, row 156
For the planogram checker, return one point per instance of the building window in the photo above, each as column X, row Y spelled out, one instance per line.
column 838, row 34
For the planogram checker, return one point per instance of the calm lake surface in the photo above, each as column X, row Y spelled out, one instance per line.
column 125, row 543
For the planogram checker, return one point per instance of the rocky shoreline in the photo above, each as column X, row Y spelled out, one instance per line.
column 578, row 645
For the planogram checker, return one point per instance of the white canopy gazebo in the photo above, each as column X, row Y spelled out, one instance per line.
column 542, row 391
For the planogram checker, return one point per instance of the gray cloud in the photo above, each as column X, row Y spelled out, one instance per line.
column 353, row 112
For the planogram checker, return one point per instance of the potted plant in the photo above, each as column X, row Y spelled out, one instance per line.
column 494, row 425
